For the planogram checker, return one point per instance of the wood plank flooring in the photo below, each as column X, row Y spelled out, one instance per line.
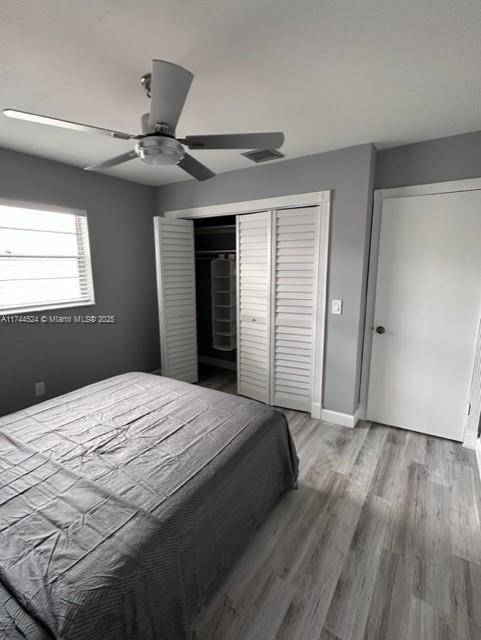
column 381, row 542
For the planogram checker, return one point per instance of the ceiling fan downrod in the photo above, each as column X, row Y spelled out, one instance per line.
column 146, row 83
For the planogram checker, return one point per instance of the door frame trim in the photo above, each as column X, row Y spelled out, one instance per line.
column 251, row 206
column 435, row 188
column 321, row 199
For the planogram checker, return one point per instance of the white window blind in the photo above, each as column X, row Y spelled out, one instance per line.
column 44, row 259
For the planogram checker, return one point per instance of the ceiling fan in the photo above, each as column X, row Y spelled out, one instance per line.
column 167, row 87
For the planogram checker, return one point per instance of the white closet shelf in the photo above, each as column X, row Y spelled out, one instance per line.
column 223, row 273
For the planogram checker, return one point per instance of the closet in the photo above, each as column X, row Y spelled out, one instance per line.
column 215, row 281
column 266, row 299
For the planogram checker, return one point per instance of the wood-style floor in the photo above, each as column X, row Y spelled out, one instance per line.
column 382, row 541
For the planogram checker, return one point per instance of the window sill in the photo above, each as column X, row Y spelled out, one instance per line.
column 23, row 311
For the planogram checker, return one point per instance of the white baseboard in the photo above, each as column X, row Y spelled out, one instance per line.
column 343, row 419
column 360, row 413
column 478, row 455
column 470, row 440
column 316, row 411
column 217, row 362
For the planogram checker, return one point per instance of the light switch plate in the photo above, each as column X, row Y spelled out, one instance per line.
column 336, row 307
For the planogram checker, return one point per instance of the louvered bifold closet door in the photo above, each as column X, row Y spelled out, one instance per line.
column 254, row 300
column 296, row 233
column 176, row 292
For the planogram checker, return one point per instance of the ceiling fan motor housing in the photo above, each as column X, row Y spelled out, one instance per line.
column 159, row 149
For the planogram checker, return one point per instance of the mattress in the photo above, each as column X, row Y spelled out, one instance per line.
column 124, row 503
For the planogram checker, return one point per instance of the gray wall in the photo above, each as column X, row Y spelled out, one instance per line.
column 365, row 272
column 349, row 173
column 121, row 237
column 453, row 158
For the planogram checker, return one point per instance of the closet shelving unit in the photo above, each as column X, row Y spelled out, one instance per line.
column 224, row 332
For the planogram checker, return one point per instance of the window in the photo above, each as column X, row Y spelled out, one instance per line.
column 44, row 259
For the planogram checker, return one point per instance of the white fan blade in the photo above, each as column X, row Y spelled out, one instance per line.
column 112, row 162
column 65, row 124
column 195, row 168
column 272, row 140
column 169, row 87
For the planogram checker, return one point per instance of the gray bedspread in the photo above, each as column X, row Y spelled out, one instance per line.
column 122, row 505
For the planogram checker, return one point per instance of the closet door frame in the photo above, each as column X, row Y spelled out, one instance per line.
column 321, row 199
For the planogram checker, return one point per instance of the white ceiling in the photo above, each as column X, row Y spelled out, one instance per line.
column 329, row 73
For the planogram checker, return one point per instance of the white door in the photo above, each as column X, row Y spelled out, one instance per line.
column 428, row 301
column 254, row 304
column 295, row 269
column 175, row 256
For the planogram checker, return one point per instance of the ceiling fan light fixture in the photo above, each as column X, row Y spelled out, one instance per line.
column 160, row 150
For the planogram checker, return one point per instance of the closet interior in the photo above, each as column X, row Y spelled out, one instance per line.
column 216, row 297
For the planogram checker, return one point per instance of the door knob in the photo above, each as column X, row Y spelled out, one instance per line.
column 380, row 330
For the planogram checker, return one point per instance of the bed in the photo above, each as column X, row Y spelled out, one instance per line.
column 123, row 504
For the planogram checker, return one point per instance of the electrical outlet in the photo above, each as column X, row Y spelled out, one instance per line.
column 40, row 388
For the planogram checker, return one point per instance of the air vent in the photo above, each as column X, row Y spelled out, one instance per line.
column 263, row 155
